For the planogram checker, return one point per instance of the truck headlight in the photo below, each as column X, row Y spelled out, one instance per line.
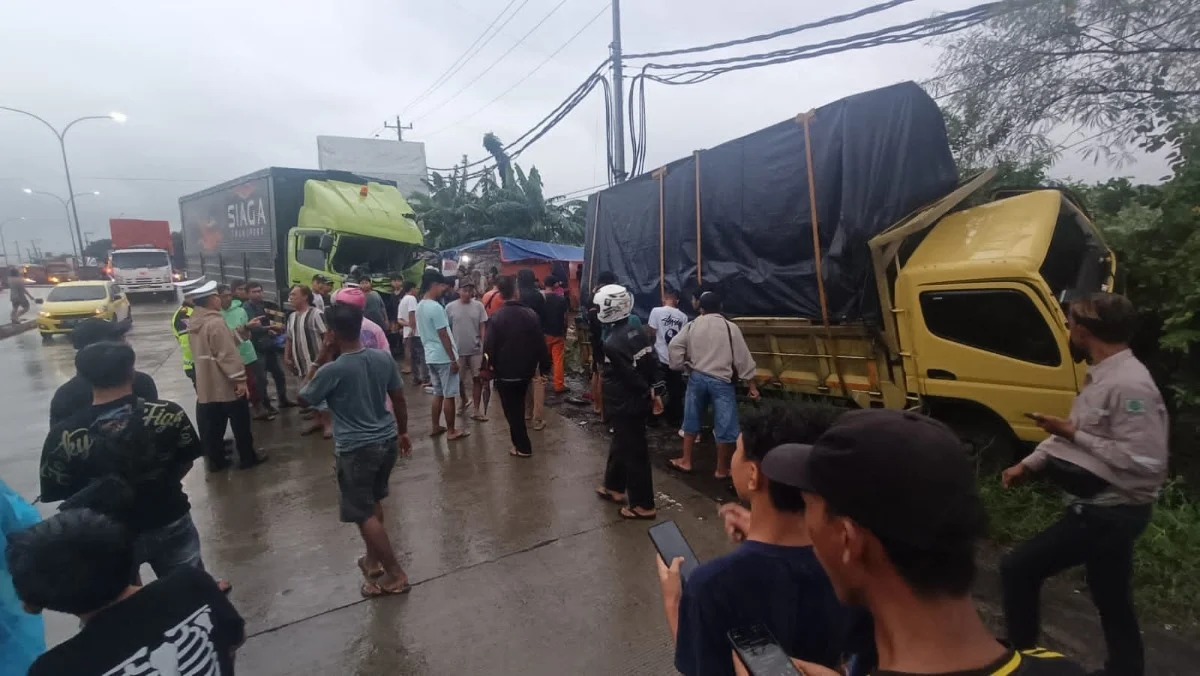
column 101, row 310
column 45, row 314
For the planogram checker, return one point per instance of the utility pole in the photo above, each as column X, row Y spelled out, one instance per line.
column 398, row 127
column 618, row 127
column 17, row 243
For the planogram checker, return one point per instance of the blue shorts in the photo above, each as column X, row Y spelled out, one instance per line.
column 175, row 545
column 700, row 389
column 445, row 382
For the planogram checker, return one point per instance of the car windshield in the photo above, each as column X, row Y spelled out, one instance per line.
column 139, row 259
column 379, row 256
column 61, row 294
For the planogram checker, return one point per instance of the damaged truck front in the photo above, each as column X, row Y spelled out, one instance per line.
column 845, row 250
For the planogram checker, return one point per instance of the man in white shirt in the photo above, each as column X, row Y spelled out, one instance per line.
column 666, row 321
column 406, row 316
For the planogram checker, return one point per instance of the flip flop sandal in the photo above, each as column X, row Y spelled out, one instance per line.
column 538, row 425
column 437, row 432
column 462, row 434
column 671, row 465
column 370, row 574
column 630, row 515
column 609, row 497
column 371, row 590
column 228, row 586
column 479, row 418
column 517, row 454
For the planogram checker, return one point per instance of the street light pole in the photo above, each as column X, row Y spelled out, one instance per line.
column 62, row 145
column 67, row 211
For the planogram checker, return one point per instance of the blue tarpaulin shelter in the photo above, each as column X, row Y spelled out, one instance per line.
column 513, row 249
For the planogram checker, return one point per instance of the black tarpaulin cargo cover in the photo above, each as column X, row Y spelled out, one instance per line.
column 876, row 157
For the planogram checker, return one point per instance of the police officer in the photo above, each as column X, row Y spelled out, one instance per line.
column 1111, row 455
column 179, row 326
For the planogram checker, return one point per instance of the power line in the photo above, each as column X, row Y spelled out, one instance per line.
column 494, row 63
column 841, row 18
column 702, row 71
column 581, row 191
column 528, row 75
column 467, row 54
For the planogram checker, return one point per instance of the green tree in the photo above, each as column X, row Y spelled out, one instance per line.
column 98, row 249
column 1119, row 73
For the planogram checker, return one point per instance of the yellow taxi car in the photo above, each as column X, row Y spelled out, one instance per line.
column 72, row 302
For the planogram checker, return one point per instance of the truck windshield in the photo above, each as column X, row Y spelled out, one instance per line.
column 379, row 256
column 139, row 259
column 1076, row 260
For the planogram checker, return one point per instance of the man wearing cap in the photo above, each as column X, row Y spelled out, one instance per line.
column 179, row 322
column 441, row 354
column 221, row 389
column 76, row 394
column 714, row 351
column 772, row 578
column 468, row 323
column 894, row 516
column 372, row 334
column 1111, row 455
column 554, row 325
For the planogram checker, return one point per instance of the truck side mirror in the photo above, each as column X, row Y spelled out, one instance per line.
column 326, row 243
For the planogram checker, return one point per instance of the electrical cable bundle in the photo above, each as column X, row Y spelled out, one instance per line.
column 695, row 72
column 702, row 71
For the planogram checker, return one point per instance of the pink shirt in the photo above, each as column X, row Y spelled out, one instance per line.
column 372, row 336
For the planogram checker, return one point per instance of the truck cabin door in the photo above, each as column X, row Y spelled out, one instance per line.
column 998, row 344
column 305, row 256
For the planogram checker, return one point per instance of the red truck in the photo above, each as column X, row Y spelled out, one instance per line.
column 136, row 233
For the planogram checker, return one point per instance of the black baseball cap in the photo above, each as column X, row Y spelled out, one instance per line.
column 95, row 330
column 903, row 476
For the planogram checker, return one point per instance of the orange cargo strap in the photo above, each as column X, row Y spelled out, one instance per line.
column 592, row 258
column 699, row 266
column 660, row 174
column 812, row 203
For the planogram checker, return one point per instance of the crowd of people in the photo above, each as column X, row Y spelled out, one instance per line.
column 857, row 551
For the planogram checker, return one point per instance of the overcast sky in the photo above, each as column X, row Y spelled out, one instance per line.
column 217, row 89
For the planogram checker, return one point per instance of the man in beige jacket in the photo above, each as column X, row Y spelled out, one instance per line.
column 221, row 390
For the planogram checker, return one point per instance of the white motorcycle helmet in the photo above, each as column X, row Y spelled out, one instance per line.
column 615, row 303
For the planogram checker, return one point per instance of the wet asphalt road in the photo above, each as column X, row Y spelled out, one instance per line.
column 518, row 568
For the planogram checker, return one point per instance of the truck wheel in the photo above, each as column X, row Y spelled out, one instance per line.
column 47, row 338
column 986, row 438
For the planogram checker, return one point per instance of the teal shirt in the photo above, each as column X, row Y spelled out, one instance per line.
column 431, row 316
column 22, row 636
column 235, row 317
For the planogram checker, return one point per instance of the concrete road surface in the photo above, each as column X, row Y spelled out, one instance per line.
column 518, row 567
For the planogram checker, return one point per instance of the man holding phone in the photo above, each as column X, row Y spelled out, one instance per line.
column 895, row 517
column 1111, row 454
column 773, row 577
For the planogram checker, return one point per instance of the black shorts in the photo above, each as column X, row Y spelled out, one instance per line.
column 362, row 477
column 22, row 303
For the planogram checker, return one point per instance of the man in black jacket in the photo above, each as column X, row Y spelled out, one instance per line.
column 515, row 348
column 631, row 386
column 529, row 295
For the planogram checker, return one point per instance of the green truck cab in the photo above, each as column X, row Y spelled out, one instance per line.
column 281, row 226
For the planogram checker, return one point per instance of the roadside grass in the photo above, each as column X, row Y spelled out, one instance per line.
column 1166, row 576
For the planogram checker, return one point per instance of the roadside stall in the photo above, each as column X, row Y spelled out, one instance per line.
column 508, row 255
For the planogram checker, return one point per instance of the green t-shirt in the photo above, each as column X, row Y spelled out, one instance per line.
column 236, row 317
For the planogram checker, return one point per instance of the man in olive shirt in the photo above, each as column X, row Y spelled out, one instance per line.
column 1117, row 435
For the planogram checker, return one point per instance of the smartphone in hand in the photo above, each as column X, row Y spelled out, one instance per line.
column 670, row 543
column 760, row 653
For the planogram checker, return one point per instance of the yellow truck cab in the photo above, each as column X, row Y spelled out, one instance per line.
column 973, row 329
